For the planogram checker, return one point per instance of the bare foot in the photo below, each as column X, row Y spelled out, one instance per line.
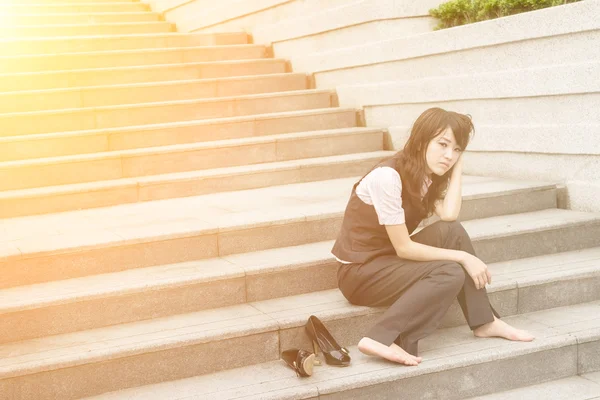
column 393, row 353
column 499, row 328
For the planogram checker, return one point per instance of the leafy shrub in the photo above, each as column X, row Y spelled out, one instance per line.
column 461, row 12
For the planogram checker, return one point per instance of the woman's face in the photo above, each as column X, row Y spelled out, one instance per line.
column 442, row 153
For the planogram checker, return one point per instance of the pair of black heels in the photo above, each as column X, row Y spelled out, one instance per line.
column 303, row 361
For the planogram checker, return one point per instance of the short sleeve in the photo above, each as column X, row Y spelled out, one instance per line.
column 382, row 188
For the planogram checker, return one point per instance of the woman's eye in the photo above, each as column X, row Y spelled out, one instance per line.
column 444, row 144
column 458, row 150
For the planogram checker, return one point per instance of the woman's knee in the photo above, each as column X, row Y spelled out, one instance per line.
column 451, row 226
column 454, row 273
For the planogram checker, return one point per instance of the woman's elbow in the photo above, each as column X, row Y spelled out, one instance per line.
column 449, row 217
column 402, row 251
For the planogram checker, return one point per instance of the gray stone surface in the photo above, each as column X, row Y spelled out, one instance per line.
column 456, row 365
column 573, row 388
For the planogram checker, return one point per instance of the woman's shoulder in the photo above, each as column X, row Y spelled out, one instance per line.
column 383, row 172
column 382, row 176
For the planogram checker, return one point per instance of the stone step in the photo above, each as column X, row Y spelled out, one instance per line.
column 79, row 18
column 64, row 7
column 194, row 228
column 583, row 387
column 183, row 184
column 544, row 81
column 122, row 164
column 234, row 15
column 125, row 58
column 96, row 96
column 139, row 74
column 455, row 365
column 72, row 44
column 468, row 49
column 133, row 137
column 539, row 90
column 530, row 138
column 85, row 29
column 352, row 14
column 306, row 271
column 15, row 124
column 348, row 36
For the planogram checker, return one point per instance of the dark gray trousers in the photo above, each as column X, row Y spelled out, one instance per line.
column 418, row 293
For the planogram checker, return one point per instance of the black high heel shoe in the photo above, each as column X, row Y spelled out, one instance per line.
column 321, row 338
column 301, row 361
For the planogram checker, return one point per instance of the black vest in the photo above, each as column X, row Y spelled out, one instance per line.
column 362, row 238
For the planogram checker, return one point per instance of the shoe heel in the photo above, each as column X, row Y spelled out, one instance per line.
column 315, row 347
column 316, row 350
column 308, row 364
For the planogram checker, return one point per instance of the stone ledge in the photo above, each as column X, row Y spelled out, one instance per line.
column 563, row 79
column 123, row 58
column 101, row 117
column 85, row 77
column 342, row 16
column 577, row 17
column 149, row 92
column 448, row 354
column 574, row 139
column 27, row 46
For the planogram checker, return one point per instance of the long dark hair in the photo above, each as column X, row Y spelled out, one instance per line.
column 411, row 162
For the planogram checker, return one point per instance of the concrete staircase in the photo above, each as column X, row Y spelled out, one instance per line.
column 168, row 203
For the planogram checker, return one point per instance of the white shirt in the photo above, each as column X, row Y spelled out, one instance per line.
column 382, row 189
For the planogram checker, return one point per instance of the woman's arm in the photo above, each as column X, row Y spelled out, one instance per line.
column 449, row 208
column 409, row 250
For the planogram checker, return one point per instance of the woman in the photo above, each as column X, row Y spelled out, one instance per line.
column 417, row 276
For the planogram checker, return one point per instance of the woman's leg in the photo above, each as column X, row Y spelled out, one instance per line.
column 419, row 310
column 474, row 303
column 483, row 320
column 418, row 293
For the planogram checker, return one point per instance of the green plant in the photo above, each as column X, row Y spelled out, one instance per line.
column 461, row 12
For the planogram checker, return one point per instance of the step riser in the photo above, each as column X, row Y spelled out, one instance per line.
column 190, row 160
column 73, row 79
column 107, row 43
column 258, row 287
column 134, row 116
column 575, row 47
column 536, row 244
column 148, row 191
column 542, row 83
column 120, row 309
column 107, row 141
column 20, row 19
column 143, row 369
column 57, row 319
column 514, row 111
column 82, row 30
column 23, row 271
column 157, row 303
column 243, row 15
column 347, row 37
column 109, row 96
column 71, row 62
column 473, row 380
column 372, row 19
column 74, row 8
column 457, row 383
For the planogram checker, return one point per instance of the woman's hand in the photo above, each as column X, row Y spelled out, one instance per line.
column 458, row 166
column 477, row 270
